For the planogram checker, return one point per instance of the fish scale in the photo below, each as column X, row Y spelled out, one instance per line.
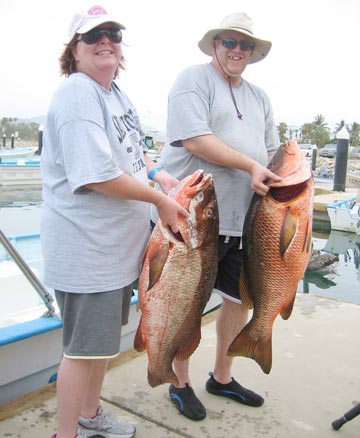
column 176, row 280
column 277, row 248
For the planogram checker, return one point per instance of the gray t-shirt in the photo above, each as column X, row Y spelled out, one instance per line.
column 200, row 103
column 91, row 242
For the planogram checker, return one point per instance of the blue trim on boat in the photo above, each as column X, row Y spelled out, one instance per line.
column 24, row 236
column 24, row 330
column 20, row 162
column 344, row 203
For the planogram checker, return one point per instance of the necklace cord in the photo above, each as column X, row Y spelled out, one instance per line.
column 240, row 116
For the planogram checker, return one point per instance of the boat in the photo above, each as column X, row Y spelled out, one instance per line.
column 20, row 171
column 340, row 242
column 23, row 152
column 31, row 336
column 345, row 215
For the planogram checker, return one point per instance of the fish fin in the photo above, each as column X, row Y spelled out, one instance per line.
column 288, row 231
column 248, row 345
column 287, row 309
column 155, row 379
column 190, row 346
column 245, row 296
column 307, row 247
column 139, row 340
column 157, row 256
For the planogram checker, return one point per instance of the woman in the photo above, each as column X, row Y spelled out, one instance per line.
column 95, row 216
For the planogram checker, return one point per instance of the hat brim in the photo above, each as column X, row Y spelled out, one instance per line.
column 97, row 22
column 262, row 47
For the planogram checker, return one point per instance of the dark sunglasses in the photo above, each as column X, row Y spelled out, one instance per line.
column 93, row 36
column 231, row 43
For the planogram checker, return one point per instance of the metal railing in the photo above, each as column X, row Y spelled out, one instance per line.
column 26, row 270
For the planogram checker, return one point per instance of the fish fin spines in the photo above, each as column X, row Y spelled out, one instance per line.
column 307, row 247
column 286, row 310
column 190, row 346
column 288, row 231
column 252, row 347
column 245, row 296
column 157, row 258
column 139, row 343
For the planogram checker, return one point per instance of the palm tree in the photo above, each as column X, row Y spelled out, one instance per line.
column 320, row 121
column 339, row 126
column 355, row 134
column 282, row 130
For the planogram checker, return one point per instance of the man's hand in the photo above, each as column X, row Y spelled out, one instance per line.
column 259, row 176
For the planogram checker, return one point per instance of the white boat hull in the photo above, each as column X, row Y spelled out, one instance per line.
column 28, row 151
column 32, row 362
column 344, row 215
column 20, row 171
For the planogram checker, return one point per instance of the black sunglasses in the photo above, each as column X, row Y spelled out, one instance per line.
column 93, row 36
column 231, row 43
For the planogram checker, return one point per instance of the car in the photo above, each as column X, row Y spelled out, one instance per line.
column 354, row 153
column 329, row 150
column 307, row 149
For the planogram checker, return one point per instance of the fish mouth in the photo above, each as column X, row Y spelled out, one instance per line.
column 193, row 186
column 200, row 181
column 288, row 193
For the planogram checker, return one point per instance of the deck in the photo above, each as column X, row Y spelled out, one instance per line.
column 314, row 380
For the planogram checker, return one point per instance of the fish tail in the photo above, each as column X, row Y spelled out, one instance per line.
column 156, row 379
column 139, row 343
column 248, row 345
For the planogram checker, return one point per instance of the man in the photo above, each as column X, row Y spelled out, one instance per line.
column 221, row 123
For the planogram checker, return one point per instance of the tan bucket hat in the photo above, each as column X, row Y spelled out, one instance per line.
column 242, row 23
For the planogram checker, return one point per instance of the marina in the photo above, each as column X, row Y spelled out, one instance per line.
column 324, row 327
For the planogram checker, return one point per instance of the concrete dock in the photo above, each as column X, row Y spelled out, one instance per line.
column 314, row 380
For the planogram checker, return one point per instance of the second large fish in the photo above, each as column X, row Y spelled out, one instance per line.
column 277, row 248
column 177, row 278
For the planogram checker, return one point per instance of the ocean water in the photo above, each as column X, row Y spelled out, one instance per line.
column 20, row 215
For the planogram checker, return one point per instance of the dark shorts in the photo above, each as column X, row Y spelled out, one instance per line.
column 230, row 260
column 92, row 322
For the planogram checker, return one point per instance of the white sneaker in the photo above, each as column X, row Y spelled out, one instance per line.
column 106, row 426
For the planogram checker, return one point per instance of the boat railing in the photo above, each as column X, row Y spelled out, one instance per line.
column 31, row 277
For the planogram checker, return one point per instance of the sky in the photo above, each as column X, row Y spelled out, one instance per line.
column 313, row 67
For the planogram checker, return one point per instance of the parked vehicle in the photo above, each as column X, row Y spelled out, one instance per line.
column 307, row 149
column 355, row 153
column 329, row 150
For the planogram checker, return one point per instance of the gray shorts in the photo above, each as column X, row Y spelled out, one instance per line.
column 92, row 322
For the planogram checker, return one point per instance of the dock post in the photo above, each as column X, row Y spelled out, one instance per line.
column 313, row 157
column 341, row 159
column 4, row 140
column 12, row 140
column 40, row 144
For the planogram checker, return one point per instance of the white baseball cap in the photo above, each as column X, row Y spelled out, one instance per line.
column 94, row 17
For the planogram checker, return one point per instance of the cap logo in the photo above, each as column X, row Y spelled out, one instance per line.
column 97, row 10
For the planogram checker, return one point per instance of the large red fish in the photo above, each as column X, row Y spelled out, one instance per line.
column 177, row 277
column 277, row 248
